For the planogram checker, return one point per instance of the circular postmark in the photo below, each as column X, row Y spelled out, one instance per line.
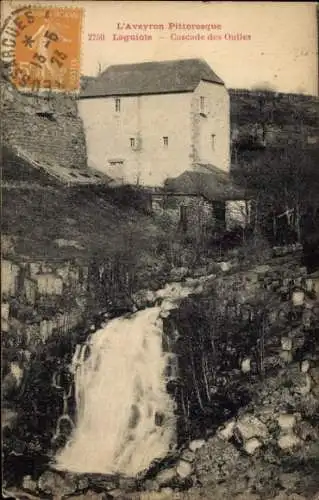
column 13, row 26
column 41, row 48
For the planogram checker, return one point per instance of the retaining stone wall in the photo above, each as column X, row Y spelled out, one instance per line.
column 38, row 298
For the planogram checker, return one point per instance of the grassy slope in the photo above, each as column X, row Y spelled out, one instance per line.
column 39, row 216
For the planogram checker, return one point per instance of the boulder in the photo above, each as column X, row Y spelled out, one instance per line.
column 196, row 444
column 61, row 242
column 184, row 469
column 315, row 391
column 17, row 372
column 188, row 456
column 286, row 422
column 286, row 356
column 262, row 269
column 178, row 273
column 314, row 374
column 227, row 431
column 298, row 298
column 8, row 416
column 199, row 271
column 165, row 476
column 52, row 483
column 92, row 495
column 151, row 485
column 246, row 365
column 7, row 244
column 199, row 289
column 29, row 484
column 167, row 491
column 224, row 266
column 18, row 494
column 143, row 298
column 305, row 365
column 288, row 480
column 164, row 494
column 250, row 426
column 4, row 325
column 290, row 496
column 306, row 431
column 288, row 441
column 247, row 496
column 307, row 318
column 127, row 483
column 116, row 493
column 5, row 309
column 103, row 481
column 251, row 276
column 303, row 385
column 168, row 305
column 82, row 483
column 252, row 445
column 286, row 344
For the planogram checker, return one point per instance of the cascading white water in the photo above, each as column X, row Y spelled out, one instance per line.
column 125, row 417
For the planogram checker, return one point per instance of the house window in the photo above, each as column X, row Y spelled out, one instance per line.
column 213, row 141
column 202, row 105
column 165, row 141
column 132, row 142
column 116, row 163
column 117, row 105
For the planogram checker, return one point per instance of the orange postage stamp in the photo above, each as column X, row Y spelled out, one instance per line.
column 41, row 48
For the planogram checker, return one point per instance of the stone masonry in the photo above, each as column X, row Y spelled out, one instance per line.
column 38, row 298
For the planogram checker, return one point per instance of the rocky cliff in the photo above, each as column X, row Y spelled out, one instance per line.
column 271, row 120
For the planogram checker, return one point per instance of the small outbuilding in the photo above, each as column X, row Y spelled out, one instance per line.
column 205, row 196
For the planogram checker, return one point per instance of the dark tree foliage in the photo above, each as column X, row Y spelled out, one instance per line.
column 285, row 181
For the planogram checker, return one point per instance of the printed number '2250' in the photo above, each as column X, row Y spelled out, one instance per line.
column 96, row 37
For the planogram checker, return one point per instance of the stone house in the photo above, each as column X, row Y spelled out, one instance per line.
column 205, row 199
column 149, row 121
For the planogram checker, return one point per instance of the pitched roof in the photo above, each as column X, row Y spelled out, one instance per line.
column 182, row 75
column 208, row 181
column 47, row 165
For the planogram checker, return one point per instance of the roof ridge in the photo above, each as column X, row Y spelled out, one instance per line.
column 161, row 61
column 166, row 76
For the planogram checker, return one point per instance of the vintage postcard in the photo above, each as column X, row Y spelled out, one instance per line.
column 160, row 250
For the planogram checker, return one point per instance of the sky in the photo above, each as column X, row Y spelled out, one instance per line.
column 279, row 52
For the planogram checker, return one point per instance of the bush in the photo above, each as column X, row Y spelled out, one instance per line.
column 254, row 250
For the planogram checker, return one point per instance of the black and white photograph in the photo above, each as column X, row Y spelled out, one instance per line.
column 159, row 250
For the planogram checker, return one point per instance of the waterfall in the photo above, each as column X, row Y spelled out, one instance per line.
column 125, row 417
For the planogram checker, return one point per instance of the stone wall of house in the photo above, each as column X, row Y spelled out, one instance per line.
column 203, row 214
column 211, row 125
column 143, row 118
column 199, row 212
column 238, row 213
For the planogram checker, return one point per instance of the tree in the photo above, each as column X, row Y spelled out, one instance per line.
column 285, row 181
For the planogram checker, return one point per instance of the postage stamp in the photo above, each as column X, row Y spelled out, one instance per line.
column 41, row 48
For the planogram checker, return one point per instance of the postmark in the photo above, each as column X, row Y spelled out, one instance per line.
column 41, row 48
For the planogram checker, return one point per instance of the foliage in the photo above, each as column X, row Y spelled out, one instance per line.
column 284, row 180
column 210, row 348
